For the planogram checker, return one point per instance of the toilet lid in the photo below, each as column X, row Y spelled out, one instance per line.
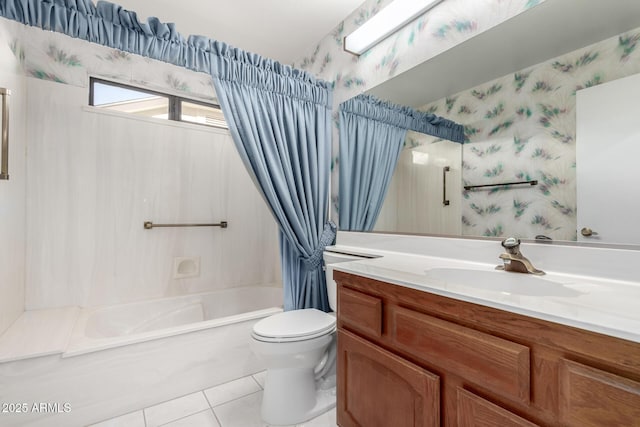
column 296, row 324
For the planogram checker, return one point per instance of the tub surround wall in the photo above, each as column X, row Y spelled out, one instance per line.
column 95, row 177
column 414, row 201
column 12, row 201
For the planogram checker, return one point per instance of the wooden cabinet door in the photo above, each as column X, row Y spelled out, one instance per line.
column 590, row 397
column 376, row 388
column 474, row 411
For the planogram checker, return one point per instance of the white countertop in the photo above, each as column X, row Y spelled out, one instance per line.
column 610, row 307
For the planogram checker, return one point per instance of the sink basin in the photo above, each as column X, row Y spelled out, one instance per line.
column 501, row 281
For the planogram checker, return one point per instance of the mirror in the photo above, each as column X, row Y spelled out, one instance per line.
column 514, row 88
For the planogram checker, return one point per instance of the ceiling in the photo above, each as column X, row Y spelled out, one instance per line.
column 284, row 30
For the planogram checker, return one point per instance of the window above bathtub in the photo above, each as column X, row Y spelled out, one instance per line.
column 148, row 103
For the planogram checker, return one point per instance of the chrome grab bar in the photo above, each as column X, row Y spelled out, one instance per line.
column 445, row 201
column 502, row 184
column 4, row 166
column 148, row 225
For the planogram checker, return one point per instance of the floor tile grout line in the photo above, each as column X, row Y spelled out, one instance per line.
column 186, row 416
column 202, row 391
column 171, row 400
column 216, row 417
column 232, row 400
column 257, row 382
column 123, row 415
column 207, row 399
column 211, row 407
column 230, row 381
column 237, row 398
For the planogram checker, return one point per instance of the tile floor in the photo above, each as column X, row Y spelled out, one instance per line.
column 233, row 404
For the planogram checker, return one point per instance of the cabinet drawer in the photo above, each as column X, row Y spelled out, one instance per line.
column 360, row 312
column 499, row 365
column 591, row 397
column 475, row 411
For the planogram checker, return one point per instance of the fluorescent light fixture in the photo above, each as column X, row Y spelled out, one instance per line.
column 386, row 22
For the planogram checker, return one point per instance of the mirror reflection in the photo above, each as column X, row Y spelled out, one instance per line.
column 523, row 105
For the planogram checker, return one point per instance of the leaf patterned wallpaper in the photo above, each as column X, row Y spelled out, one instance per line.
column 445, row 26
column 518, row 127
column 522, row 127
column 56, row 57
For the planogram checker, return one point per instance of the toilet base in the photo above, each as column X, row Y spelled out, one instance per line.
column 311, row 399
column 326, row 400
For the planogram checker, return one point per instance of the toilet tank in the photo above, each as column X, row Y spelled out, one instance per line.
column 331, row 258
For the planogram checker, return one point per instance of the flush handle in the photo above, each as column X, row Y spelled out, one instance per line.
column 587, row 232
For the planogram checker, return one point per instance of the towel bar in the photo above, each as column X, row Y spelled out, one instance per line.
column 148, row 225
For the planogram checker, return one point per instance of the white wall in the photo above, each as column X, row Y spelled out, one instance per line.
column 12, row 202
column 94, row 178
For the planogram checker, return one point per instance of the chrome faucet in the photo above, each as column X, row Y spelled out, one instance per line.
column 513, row 260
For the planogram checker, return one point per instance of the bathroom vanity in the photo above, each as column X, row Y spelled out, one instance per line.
column 416, row 351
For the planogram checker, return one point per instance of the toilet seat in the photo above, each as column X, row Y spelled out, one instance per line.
column 295, row 325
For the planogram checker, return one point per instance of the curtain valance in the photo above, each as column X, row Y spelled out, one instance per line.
column 111, row 25
column 403, row 117
column 250, row 69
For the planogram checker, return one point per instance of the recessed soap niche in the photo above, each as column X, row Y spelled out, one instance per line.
column 184, row 267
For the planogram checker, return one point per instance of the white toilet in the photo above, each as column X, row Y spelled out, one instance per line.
column 298, row 348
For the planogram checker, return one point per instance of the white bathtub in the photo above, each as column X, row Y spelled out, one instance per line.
column 123, row 358
column 117, row 325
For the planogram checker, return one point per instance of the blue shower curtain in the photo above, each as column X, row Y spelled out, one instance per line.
column 371, row 137
column 279, row 119
column 372, row 133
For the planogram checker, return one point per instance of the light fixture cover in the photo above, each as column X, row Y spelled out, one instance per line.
column 386, row 22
